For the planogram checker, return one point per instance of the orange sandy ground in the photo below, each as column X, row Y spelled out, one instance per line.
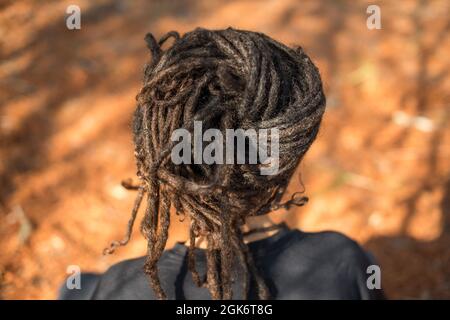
column 379, row 171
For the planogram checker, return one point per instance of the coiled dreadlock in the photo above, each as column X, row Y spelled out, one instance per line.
column 227, row 79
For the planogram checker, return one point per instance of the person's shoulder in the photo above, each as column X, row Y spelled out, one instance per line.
column 113, row 282
column 326, row 237
column 333, row 258
column 331, row 244
column 127, row 280
column 125, row 268
column 334, row 238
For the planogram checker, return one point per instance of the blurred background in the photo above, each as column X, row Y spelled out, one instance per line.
column 379, row 171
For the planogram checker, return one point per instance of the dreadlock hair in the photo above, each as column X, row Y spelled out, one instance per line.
column 227, row 79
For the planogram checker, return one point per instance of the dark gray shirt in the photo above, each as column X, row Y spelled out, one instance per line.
column 294, row 264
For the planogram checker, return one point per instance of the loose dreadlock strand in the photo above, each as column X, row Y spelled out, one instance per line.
column 226, row 259
column 227, row 79
column 263, row 291
column 157, row 244
column 137, row 203
column 149, row 230
column 191, row 255
column 242, row 261
column 213, row 266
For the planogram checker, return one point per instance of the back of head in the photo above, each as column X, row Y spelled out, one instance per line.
column 223, row 79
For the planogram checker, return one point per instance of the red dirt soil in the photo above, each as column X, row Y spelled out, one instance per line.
column 379, row 171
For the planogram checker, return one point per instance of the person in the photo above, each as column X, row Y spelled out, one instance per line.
column 228, row 79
